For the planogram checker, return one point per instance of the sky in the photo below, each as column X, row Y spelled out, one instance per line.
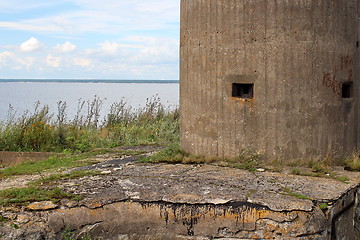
column 89, row 39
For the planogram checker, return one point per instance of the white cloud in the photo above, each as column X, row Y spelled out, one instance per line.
column 139, row 57
column 5, row 57
column 110, row 48
column 82, row 62
column 114, row 48
column 13, row 6
column 102, row 16
column 10, row 59
column 27, row 62
column 102, row 31
column 64, row 24
column 31, row 26
column 53, row 61
column 156, row 50
column 65, row 47
column 31, row 45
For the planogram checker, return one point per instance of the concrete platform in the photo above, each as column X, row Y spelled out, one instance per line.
column 161, row 201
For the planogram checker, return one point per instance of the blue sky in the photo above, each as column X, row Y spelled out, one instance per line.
column 102, row 39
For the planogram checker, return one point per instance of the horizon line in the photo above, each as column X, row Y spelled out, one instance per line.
column 79, row 80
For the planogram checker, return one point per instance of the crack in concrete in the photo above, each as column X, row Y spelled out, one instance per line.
column 310, row 234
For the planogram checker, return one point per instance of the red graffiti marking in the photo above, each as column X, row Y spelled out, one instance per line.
column 346, row 62
column 330, row 79
column 350, row 75
column 330, row 82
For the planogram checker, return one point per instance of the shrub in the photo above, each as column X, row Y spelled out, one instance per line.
column 40, row 131
column 353, row 163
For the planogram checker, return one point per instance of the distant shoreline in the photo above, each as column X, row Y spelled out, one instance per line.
column 83, row 81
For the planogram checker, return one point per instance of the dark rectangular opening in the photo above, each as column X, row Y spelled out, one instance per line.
column 243, row 90
column 347, row 90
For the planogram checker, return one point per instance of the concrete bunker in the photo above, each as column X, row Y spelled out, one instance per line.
column 280, row 77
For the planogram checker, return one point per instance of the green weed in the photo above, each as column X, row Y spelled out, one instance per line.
column 324, row 206
column 248, row 159
column 53, row 163
column 343, row 179
column 353, row 163
column 57, row 177
column 3, row 219
column 14, row 225
column 170, row 154
column 296, row 171
column 320, row 167
column 288, row 191
column 249, row 194
column 68, row 234
column 173, row 154
column 20, row 196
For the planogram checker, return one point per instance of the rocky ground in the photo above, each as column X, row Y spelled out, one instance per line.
column 132, row 200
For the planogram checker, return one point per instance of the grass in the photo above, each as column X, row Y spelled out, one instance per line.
column 325, row 174
column 42, row 190
column 248, row 159
column 296, row 171
column 322, row 166
column 57, row 162
column 289, row 192
column 58, row 177
column 3, row 219
column 353, row 163
column 170, row 154
column 40, row 130
column 343, row 179
column 75, row 138
column 324, row 206
column 22, row 196
column 68, row 234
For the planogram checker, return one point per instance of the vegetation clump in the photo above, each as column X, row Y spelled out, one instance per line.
column 248, row 159
column 42, row 190
column 42, row 131
column 288, row 191
column 56, row 162
column 353, row 163
column 21, row 196
column 324, row 206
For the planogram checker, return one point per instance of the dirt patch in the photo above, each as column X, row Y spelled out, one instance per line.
column 12, row 158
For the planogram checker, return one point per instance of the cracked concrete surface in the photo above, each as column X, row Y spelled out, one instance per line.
column 131, row 200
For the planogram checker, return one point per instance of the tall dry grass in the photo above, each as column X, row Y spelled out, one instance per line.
column 41, row 130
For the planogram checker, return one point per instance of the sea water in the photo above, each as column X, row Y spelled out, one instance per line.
column 22, row 96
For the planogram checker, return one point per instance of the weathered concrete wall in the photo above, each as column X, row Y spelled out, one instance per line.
column 297, row 54
column 12, row 158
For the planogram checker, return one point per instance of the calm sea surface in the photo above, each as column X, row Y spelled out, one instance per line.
column 22, row 96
